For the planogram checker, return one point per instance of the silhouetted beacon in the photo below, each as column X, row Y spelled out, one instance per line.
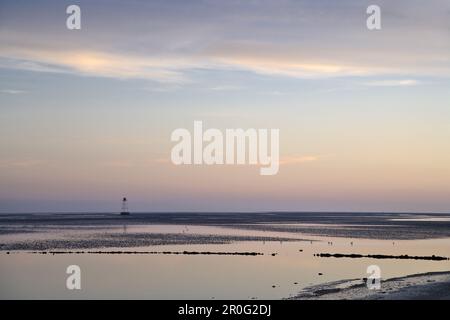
column 124, row 211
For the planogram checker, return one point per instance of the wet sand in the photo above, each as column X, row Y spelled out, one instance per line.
column 372, row 225
column 128, row 240
column 425, row 286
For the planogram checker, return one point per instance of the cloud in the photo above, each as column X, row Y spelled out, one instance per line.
column 298, row 39
column 97, row 63
column 393, row 83
column 226, row 88
column 285, row 66
column 173, row 69
column 163, row 88
column 11, row 91
column 170, row 69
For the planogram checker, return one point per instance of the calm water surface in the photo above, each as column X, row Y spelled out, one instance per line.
column 34, row 276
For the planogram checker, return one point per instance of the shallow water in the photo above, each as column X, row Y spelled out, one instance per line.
column 35, row 276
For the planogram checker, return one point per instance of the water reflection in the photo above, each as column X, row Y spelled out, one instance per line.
column 285, row 268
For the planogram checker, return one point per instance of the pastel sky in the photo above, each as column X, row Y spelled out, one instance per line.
column 86, row 115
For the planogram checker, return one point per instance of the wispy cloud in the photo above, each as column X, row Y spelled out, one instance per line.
column 286, row 66
column 11, row 91
column 393, row 83
column 174, row 69
column 167, row 69
column 225, row 88
column 98, row 64
column 293, row 39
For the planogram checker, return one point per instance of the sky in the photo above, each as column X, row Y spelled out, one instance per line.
column 86, row 115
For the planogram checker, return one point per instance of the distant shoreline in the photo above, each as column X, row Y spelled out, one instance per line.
column 423, row 286
column 361, row 225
